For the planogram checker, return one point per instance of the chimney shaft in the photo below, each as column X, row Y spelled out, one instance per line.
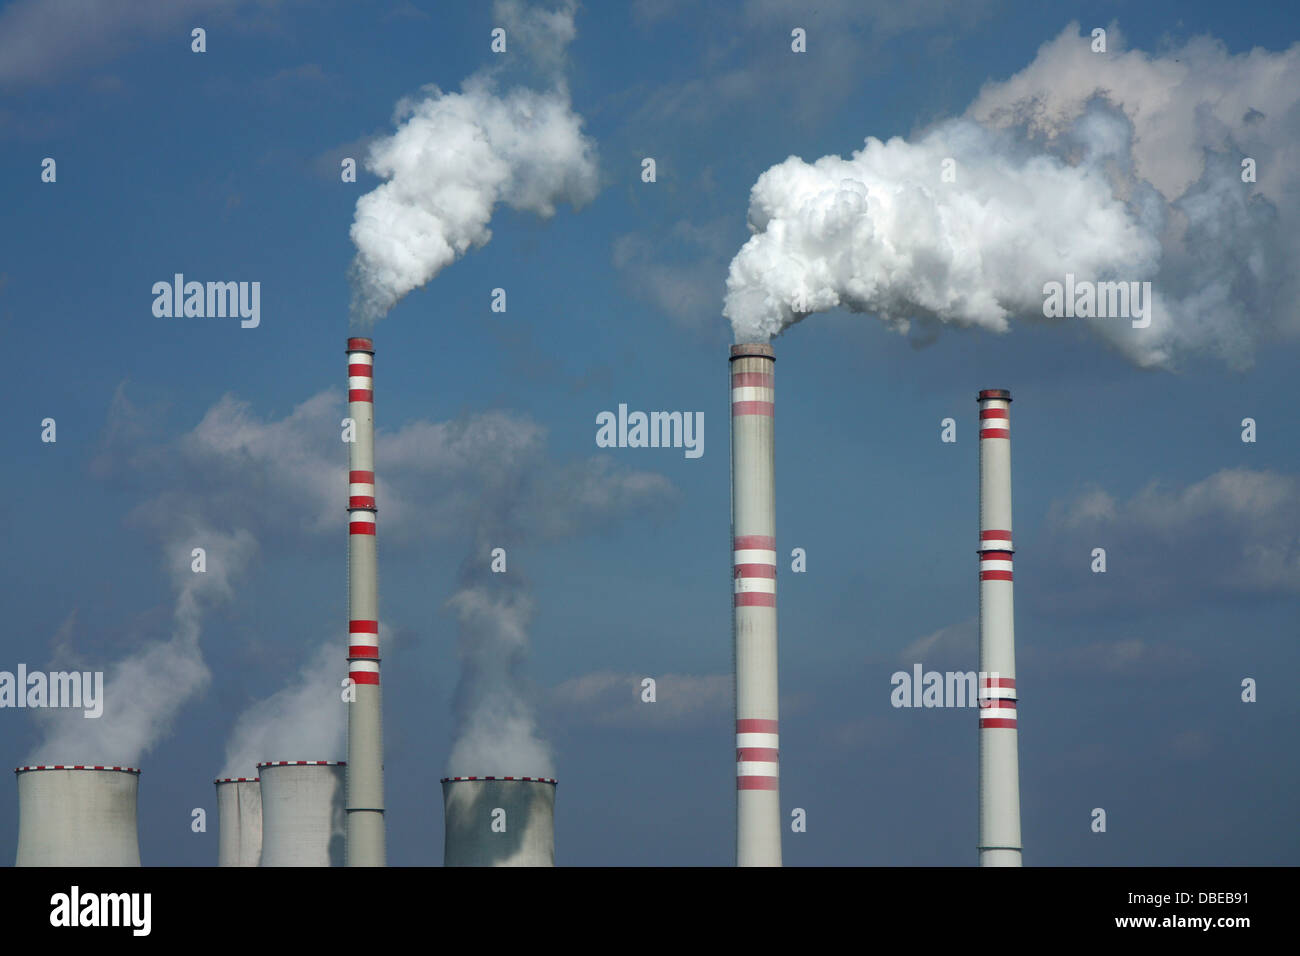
column 499, row 821
column 753, row 533
column 999, row 761
column 77, row 816
column 303, row 818
column 365, row 763
column 239, row 821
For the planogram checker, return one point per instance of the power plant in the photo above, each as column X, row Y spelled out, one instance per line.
column 303, row 817
column 999, row 786
column 77, row 816
column 365, row 763
column 331, row 813
column 499, row 821
column 753, row 534
column 239, row 821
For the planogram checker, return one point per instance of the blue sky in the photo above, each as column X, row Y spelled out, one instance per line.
column 224, row 166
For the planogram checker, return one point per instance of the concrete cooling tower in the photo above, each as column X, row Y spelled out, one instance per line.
column 239, row 821
column 499, row 821
column 77, row 816
column 304, row 822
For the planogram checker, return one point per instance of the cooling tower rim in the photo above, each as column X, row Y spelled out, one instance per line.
column 753, row 349
column 237, row 780
column 302, row 763
column 1001, row 394
column 358, row 344
column 551, row 780
column 78, row 766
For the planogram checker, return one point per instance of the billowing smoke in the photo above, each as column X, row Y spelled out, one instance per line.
column 1108, row 167
column 303, row 721
column 456, row 156
column 496, row 731
column 145, row 691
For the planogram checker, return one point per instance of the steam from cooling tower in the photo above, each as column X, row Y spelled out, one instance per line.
column 456, row 156
column 1049, row 177
column 306, row 717
column 496, row 731
column 145, row 691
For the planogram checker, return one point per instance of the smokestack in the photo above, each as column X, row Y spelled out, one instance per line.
column 499, row 821
column 303, row 818
column 77, row 816
column 999, row 760
column 753, row 532
column 365, row 763
column 239, row 821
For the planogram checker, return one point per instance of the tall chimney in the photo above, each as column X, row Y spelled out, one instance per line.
column 498, row 821
column 753, row 532
column 365, row 763
column 303, row 817
column 77, row 816
column 999, row 761
column 239, row 821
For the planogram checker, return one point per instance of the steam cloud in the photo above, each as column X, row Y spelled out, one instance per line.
column 455, row 156
column 496, row 731
column 304, row 721
column 145, row 691
column 1113, row 167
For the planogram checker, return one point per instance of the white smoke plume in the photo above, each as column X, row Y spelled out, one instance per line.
column 496, row 733
column 1110, row 167
column 303, row 721
column 145, row 691
column 456, row 156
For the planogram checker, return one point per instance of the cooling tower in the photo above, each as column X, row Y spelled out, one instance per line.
column 753, row 533
column 239, row 821
column 77, row 816
column 499, row 821
column 304, row 822
column 365, row 763
column 999, row 761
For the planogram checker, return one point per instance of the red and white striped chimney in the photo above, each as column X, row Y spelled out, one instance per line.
column 365, row 763
column 999, row 760
column 753, row 532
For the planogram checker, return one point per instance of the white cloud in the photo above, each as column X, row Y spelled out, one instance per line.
column 613, row 699
column 43, row 40
column 1121, row 166
column 1236, row 532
